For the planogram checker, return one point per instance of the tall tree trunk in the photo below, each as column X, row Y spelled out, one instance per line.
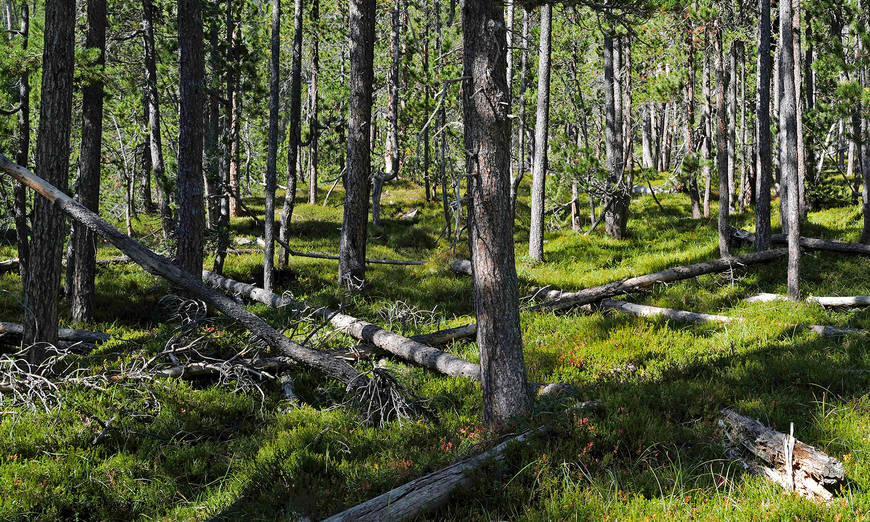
column 88, row 186
column 295, row 133
column 722, row 155
column 211, row 156
column 427, row 87
column 647, row 138
column 235, row 194
column 352, row 250
column 809, row 87
column 542, row 122
column 797, row 54
column 313, row 125
column 191, row 215
column 391, row 147
column 22, row 227
column 741, row 110
column 692, row 182
column 147, row 198
column 442, row 120
column 616, row 212
column 707, row 144
column 154, row 138
column 732, row 126
column 226, row 157
column 789, row 145
column 509, row 68
column 272, row 158
column 487, row 140
column 52, row 159
column 762, row 115
column 524, row 68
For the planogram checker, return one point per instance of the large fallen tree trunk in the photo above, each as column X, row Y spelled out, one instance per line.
column 361, row 330
column 15, row 331
column 632, row 284
column 810, row 243
column 162, row 267
column 432, row 339
column 434, row 490
column 787, row 461
column 858, row 300
column 693, row 317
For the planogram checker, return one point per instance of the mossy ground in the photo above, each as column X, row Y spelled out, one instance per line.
column 650, row 452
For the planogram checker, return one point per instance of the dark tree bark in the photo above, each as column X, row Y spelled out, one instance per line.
column 147, row 198
column 191, row 215
column 442, row 120
column 524, row 68
column 211, row 155
column 52, row 160
column 22, row 227
column 225, row 198
column 732, row 127
column 352, row 253
column 692, row 182
column 272, row 158
column 487, row 142
column 154, row 138
column 707, row 143
column 722, row 143
column 88, row 186
column 427, row 80
column 789, row 146
column 313, row 125
column 295, row 132
column 762, row 112
column 542, row 123
column 616, row 210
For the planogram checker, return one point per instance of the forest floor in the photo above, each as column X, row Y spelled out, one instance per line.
column 200, row 449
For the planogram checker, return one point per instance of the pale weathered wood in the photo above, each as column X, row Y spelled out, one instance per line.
column 597, row 293
column 200, row 369
column 434, row 489
column 162, row 267
column 809, row 243
column 811, row 472
column 361, row 351
column 461, row 266
column 362, row 330
column 16, row 332
column 765, row 298
column 858, row 300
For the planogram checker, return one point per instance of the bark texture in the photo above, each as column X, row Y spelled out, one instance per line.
column 272, row 158
column 352, row 249
column 542, row 124
column 762, row 112
column 52, row 160
column 789, row 145
column 487, row 145
column 295, row 132
column 722, row 144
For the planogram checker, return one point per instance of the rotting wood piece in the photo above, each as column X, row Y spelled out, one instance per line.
column 812, row 471
column 434, row 489
column 16, row 332
column 160, row 266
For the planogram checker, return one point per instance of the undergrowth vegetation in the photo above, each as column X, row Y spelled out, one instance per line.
column 200, row 449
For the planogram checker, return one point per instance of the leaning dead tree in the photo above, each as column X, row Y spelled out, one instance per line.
column 785, row 460
column 158, row 265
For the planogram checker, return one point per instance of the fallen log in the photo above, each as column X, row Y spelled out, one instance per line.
column 790, row 463
column 765, row 298
column 858, row 300
column 693, row 317
column 809, row 243
column 631, row 284
column 67, row 335
column 386, row 340
column 201, row 368
column 434, row 489
column 432, row 339
column 162, row 267
column 324, row 255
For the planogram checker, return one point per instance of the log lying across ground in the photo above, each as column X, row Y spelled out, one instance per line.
column 432, row 339
column 810, row 243
column 361, row 330
column 786, row 461
column 632, row 284
column 693, row 317
column 162, row 267
column 858, row 300
column 324, row 255
column 434, row 490
column 16, row 332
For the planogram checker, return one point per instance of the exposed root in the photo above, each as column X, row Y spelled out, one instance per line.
column 381, row 398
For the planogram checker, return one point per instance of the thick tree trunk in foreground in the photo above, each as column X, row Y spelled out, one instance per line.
column 191, row 214
column 789, row 462
column 88, row 187
column 487, row 143
column 542, row 123
column 272, row 158
column 352, row 250
column 162, row 267
column 789, row 146
column 762, row 111
column 295, row 132
column 721, row 143
column 52, row 158
column 158, row 168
